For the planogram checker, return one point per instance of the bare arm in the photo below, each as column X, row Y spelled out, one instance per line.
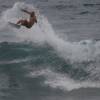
column 26, row 11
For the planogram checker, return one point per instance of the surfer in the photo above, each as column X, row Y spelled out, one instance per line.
column 31, row 21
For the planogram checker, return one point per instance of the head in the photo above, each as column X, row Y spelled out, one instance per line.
column 32, row 13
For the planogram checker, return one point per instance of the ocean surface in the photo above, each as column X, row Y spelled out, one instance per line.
column 58, row 58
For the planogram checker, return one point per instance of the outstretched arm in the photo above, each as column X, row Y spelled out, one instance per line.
column 25, row 11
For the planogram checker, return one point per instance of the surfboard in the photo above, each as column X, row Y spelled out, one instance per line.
column 14, row 25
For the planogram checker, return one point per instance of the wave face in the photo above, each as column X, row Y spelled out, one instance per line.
column 37, row 60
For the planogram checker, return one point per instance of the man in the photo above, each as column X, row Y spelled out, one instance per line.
column 31, row 21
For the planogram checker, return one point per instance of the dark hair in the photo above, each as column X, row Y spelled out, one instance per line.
column 32, row 14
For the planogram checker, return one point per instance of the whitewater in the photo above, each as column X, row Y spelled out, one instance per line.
column 66, row 65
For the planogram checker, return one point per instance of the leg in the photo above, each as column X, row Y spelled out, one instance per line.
column 20, row 22
column 24, row 23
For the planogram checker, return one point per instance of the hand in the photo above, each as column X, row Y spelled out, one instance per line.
column 23, row 10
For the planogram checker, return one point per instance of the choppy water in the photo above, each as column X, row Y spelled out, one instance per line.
column 58, row 58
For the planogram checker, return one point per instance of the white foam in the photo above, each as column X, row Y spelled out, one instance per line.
column 62, row 81
column 15, row 61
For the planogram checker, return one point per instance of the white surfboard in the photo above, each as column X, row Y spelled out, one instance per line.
column 14, row 25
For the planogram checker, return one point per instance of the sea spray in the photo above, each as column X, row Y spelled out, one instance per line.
column 43, row 32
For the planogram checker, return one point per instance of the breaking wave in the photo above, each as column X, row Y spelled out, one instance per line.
column 82, row 57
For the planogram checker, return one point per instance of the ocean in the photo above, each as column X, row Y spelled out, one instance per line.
column 58, row 58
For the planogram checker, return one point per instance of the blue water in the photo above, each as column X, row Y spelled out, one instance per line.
column 58, row 58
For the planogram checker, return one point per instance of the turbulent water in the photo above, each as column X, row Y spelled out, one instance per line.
column 58, row 58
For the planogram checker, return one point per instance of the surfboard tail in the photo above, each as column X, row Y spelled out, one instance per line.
column 14, row 25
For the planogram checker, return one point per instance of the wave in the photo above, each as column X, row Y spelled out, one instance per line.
column 84, row 54
column 61, row 81
column 43, row 32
